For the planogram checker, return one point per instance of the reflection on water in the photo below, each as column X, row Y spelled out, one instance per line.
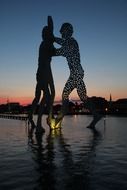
column 55, row 163
column 43, row 157
column 72, row 158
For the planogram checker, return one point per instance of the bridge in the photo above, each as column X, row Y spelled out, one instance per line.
column 16, row 117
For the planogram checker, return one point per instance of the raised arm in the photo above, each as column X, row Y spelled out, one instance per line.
column 50, row 23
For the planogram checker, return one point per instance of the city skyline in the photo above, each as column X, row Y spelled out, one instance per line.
column 99, row 27
column 56, row 101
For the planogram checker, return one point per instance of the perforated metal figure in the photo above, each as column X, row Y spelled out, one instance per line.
column 70, row 50
column 44, row 78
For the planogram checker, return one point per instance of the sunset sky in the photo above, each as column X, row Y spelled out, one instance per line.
column 100, row 27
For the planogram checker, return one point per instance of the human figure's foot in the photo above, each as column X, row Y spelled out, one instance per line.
column 31, row 128
column 30, row 132
column 58, row 122
column 39, row 130
column 50, row 120
column 96, row 118
column 30, row 120
column 55, row 123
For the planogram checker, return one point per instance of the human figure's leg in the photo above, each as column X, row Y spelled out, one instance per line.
column 45, row 99
column 34, row 103
column 81, row 90
column 50, row 103
column 69, row 87
column 39, row 128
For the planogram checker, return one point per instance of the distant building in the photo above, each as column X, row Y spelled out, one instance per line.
column 100, row 103
column 120, row 106
column 13, row 107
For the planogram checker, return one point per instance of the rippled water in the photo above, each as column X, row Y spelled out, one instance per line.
column 73, row 158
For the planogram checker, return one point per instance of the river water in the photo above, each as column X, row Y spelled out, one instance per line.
column 74, row 158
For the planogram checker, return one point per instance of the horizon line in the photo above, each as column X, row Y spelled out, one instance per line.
column 55, row 102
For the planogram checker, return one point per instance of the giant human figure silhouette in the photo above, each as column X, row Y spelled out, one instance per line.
column 70, row 49
column 44, row 78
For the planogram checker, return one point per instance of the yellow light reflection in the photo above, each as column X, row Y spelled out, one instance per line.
column 53, row 124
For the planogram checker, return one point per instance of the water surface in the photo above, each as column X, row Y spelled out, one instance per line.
column 72, row 158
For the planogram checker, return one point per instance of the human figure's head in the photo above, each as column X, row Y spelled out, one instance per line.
column 66, row 30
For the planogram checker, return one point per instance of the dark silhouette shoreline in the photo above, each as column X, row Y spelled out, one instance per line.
column 116, row 108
